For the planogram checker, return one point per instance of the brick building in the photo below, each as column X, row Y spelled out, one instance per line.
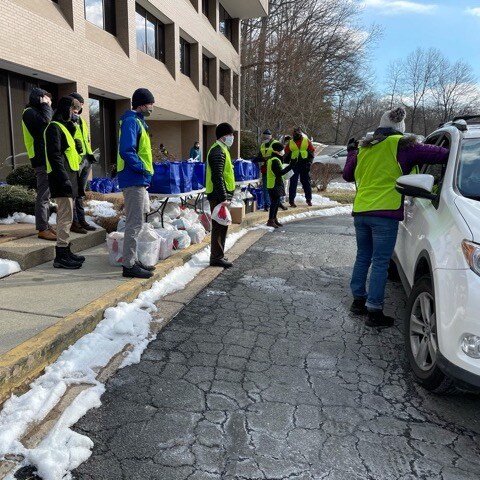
column 185, row 51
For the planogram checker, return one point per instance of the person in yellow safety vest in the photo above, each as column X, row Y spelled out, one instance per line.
column 300, row 148
column 135, row 170
column 220, row 185
column 378, row 207
column 35, row 118
column 62, row 159
column 79, row 224
column 263, row 155
column 275, row 185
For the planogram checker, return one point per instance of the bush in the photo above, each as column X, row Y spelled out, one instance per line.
column 322, row 174
column 23, row 175
column 15, row 198
column 248, row 144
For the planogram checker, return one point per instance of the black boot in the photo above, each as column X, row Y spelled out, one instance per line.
column 63, row 260
column 376, row 318
column 358, row 306
column 136, row 271
column 221, row 262
column 76, row 258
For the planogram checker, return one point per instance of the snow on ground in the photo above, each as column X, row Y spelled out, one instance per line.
column 20, row 217
column 341, row 186
column 62, row 450
column 7, row 267
column 99, row 208
column 317, row 200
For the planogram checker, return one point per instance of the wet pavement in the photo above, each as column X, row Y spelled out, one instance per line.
column 266, row 375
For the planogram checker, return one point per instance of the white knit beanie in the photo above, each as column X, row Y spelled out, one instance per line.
column 395, row 119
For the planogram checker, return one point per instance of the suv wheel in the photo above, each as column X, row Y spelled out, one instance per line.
column 421, row 338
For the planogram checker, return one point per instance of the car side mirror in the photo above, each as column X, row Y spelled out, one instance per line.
column 419, row 185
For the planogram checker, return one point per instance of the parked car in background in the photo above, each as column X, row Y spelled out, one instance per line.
column 334, row 155
column 438, row 258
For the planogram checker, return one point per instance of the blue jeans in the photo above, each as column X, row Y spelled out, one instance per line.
column 266, row 196
column 376, row 237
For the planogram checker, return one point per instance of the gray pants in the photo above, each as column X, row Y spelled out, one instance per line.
column 42, row 204
column 134, row 198
column 64, row 220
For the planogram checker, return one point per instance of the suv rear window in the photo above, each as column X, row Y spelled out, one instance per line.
column 468, row 177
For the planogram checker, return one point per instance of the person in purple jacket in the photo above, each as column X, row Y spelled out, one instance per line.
column 378, row 207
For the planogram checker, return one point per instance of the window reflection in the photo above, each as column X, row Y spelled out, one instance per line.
column 94, row 12
column 469, row 169
column 150, row 34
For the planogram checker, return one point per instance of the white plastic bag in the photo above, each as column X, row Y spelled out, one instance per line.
column 221, row 215
column 197, row 234
column 148, row 245
column 189, row 214
column 289, row 174
column 172, row 210
column 115, row 248
column 181, row 223
column 181, row 239
column 166, row 247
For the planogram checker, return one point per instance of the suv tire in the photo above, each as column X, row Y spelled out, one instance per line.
column 421, row 338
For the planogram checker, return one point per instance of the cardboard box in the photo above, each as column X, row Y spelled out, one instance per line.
column 237, row 213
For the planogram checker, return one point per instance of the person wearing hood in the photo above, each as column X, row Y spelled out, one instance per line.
column 79, row 224
column 378, row 207
column 262, row 157
column 275, row 185
column 300, row 148
column 195, row 152
column 135, row 170
column 62, row 158
column 35, row 119
column 220, row 185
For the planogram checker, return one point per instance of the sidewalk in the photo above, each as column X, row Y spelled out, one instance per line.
column 45, row 310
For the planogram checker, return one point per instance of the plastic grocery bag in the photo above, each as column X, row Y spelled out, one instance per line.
column 181, row 223
column 172, row 210
column 115, row 248
column 197, row 233
column 206, row 221
column 148, row 245
column 289, row 174
column 166, row 247
column 221, row 215
column 181, row 239
column 189, row 214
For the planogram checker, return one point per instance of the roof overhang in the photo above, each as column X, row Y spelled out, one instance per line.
column 246, row 8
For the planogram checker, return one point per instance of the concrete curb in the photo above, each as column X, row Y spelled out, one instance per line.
column 22, row 364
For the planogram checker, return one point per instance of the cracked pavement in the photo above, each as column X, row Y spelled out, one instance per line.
column 266, row 375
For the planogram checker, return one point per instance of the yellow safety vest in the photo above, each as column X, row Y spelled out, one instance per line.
column 73, row 157
column 303, row 150
column 81, row 134
column 144, row 149
column 375, row 175
column 270, row 175
column 228, row 173
column 28, row 139
column 266, row 151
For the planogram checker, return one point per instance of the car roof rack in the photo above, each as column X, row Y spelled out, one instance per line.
column 467, row 117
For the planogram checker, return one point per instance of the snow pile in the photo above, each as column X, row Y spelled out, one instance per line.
column 341, row 186
column 99, row 208
column 328, row 212
column 317, row 200
column 17, row 217
column 7, row 267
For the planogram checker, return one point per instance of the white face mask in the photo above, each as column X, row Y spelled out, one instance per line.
column 282, row 153
column 228, row 140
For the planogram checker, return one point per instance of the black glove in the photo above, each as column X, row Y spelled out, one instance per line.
column 352, row 145
column 78, row 145
column 91, row 158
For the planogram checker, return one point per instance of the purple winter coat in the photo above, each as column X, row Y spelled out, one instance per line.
column 410, row 153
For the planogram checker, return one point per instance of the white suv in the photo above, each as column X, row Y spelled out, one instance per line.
column 437, row 255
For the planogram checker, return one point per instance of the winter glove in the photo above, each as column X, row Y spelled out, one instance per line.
column 91, row 158
column 78, row 145
column 352, row 145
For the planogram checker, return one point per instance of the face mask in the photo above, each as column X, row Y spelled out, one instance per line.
column 267, row 138
column 75, row 117
column 147, row 112
column 228, row 140
column 282, row 153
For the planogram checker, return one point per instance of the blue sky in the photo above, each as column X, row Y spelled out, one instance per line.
column 452, row 26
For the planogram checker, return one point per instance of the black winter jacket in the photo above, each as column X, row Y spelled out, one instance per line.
column 36, row 119
column 62, row 180
column 277, row 169
column 216, row 162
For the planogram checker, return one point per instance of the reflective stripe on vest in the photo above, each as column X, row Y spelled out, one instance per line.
column 228, row 174
column 375, row 175
column 303, row 150
column 28, row 139
column 144, row 149
column 270, row 175
column 71, row 153
column 81, row 134
column 266, row 151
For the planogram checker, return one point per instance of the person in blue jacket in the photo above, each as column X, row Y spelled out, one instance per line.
column 195, row 152
column 135, row 170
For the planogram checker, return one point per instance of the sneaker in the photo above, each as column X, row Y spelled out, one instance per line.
column 77, row 228
column 145, row 267
column 292, row 204
column 376, row 318
column 47, row 235
column 136, row 272
column 309, row 204
column 221, row 263
column 271, row 223
column 358, row 306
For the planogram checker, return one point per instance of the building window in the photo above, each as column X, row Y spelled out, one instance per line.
column 205, row 7
column 225, row 83
column 101, row 13
column 184, row 57
column 150, row 34
column 225, row 23
column 236, row 86
column 206, row 71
